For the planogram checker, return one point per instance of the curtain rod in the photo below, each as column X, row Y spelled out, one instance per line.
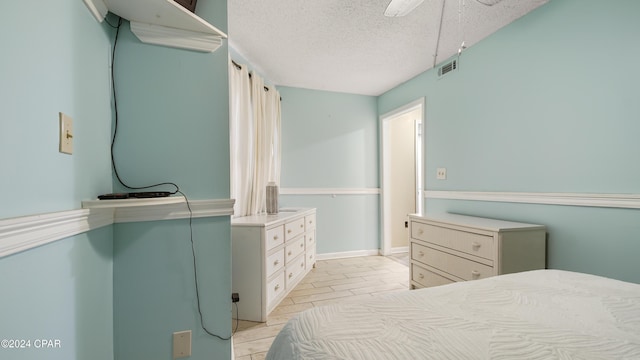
column 239, row 67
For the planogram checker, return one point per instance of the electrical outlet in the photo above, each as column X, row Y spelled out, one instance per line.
column 441, row 174
column 181, row 344
column 235, row 297
column 66, row 134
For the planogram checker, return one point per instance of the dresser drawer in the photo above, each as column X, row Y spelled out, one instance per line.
column 294, row 269
column 454, row 265
column 275, row 262
column 310, row 222
column 467, row 242
column 275, row 237
column 310, row 239
column 427, row 278
column 311, row 258
column 419, row 253
column 294, row 249
column 275, row 288
column 294, row 228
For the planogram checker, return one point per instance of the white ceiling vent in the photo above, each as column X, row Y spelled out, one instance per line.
column 448, row 67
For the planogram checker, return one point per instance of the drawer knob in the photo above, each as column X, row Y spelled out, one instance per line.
column 475, row 274
column 290, row 275
column 289, row 231
column 420, row 253
column 421, row 276
column 301, row 264
column 275, row 237
column 475, row 245
column 310, row 239
column 276, row 262
column 289, row 253
column 420, row 231
column 301, row 226
column 301, row 245
column 277, row 287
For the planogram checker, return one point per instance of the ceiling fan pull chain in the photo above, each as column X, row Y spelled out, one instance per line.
column 435, row 55
column 461, row 6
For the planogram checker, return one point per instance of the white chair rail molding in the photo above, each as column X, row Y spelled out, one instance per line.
column 27, row 232
column 627, row 201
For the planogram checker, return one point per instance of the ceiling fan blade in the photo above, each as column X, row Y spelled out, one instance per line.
column 401, row 7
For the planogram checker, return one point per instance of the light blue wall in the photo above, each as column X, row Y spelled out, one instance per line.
column 330, row 141
column 175, row 104
column 55, row 59
column 173, row 117
column 547, row 104
column 62, row 291
column 154, row 293
column 173, row 126
column 345, row 222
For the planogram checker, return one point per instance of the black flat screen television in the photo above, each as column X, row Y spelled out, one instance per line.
column 188, row 4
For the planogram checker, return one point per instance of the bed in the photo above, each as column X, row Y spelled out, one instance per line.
column 542, row 314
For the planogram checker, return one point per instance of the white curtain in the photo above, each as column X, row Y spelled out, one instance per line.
column 240, row 125
column 254, row 139
column 274, row 112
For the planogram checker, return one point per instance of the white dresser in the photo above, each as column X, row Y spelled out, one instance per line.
column 446, row 248
column 271, row 254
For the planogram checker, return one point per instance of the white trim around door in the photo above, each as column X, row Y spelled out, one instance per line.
column 385, row 154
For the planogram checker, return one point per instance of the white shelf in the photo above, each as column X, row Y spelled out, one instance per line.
column 162, row 22
column 120, row 203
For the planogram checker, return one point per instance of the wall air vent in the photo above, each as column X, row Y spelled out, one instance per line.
column 447, row 68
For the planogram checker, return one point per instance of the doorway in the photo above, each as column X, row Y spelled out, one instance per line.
column 402, row 144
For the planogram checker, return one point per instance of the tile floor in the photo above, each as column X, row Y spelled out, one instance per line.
column 332, row 281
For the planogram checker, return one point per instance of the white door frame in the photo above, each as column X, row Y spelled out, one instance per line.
column 419, row 156
column 384, row 119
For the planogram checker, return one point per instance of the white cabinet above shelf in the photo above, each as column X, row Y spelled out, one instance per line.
column 162, row 22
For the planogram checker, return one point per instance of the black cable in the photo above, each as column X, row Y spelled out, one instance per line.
column 110, row 24
column 195, row 276
column 115, row 126
column 177, row 188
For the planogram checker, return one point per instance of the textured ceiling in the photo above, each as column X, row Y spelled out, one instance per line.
column 350, row 46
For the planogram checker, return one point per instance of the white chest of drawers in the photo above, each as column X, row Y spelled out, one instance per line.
column 270, row 255
column 446, row 248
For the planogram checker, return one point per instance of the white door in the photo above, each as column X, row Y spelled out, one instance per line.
column 401, row 173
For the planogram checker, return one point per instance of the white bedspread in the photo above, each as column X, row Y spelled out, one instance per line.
column 544, row 314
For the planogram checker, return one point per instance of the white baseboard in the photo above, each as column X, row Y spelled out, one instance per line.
column 347, row 254
column 399, row 250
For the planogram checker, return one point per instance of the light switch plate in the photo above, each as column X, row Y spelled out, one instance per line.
column 66, row 134
column 181, row 344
